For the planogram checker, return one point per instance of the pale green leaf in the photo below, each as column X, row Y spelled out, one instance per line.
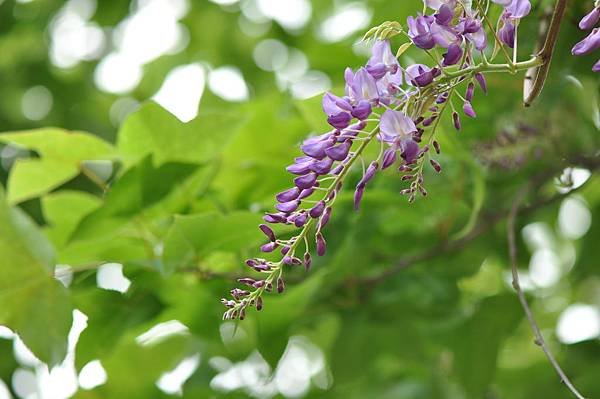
column 32, row 302
column 60, row 156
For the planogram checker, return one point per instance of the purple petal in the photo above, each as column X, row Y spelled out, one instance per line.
column 340, row 120
column 339, row 152
column 317, row 150
column 325, row 218
column 389, row 157
column 444, row 15
column 590, row 20
column 410, row 150
column 507, row 34
column 288, row 195
column 299, row 168
column 306, row 181
column 456, row 120
column 518, row 9
column 268, row 232
column 482, row 82
column 306, row 193
column 275, row 218
column 288, row 207
column 369, row 173
column 470, row 91
column 453, row 55
column 321, row 244
column 317, row 210
column 362, row 110
column 358, row 194
column 270, row 247
column 468, row 109
column 589, row 44
column 322, row 167
column 301, row 219
column 396, row 123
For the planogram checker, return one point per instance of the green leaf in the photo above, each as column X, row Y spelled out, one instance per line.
column 153, row 130
column 61, row 154
column 480, row 339
column 63, row 210
column 32, row 302
column 191, row 239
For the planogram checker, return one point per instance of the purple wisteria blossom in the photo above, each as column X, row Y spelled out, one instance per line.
column 592, row 41
column 399, row 107
column 514, row 11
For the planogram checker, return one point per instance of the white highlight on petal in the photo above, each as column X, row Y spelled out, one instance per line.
column 574, row 218
column 228, row 83
column 92, row 375
column 110, row 277
column 162, row 331
column 579, row 322
column 172, row 381
column 36, row 103
column 181, row 91
column 344, row 22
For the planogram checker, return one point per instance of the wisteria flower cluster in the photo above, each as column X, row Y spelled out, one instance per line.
column 592, row 41
column 397, row 107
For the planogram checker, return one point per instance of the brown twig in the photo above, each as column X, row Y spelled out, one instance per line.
column 538, row 75
column 485, row 224
column 512, row 249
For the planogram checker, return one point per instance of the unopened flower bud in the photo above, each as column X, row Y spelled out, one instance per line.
column 317, row 210
column 470, row 91
column 307, row 261
column 268, row 232
column 321, row 244
column 270, row 247
column 456, row 120
column 468, row 109
column 482, row 81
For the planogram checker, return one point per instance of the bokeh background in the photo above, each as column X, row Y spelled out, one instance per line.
column 411, row 301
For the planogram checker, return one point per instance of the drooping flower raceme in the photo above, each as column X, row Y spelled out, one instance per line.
column 397, row 107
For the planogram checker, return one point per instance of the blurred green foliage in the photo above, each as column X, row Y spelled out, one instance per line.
column 411, row 301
